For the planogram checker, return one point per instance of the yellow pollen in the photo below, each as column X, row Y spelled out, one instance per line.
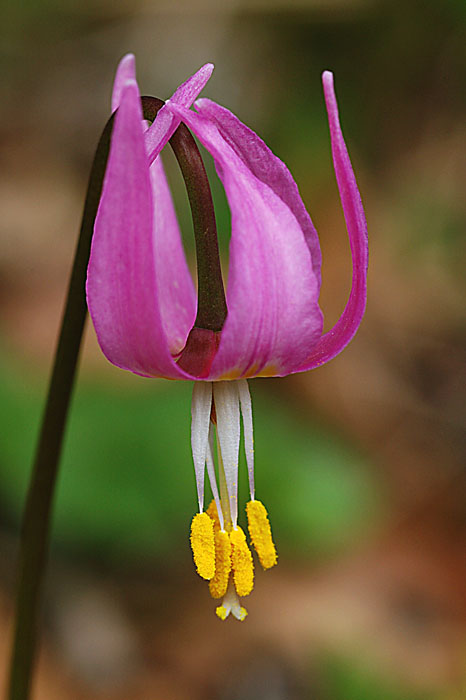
column 261, row 534
column 219, row 584
column 241, row 562
column 203, row 546
column 213, row 515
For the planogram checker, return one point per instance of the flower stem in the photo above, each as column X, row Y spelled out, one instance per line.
column 35, row 525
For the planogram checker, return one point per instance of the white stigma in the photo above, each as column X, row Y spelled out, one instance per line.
column 228, row 430
column 231, row 604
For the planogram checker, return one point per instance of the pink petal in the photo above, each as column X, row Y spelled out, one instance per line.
column 266, row 167
column 176, row 294
column 335, row 340
column 166, row 123
column 273, row 315
column 122, row 290
column 126, row 71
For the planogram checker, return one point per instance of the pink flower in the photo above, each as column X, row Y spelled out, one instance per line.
column 143, row 304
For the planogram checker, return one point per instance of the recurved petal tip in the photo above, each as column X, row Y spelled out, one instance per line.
column 126, row 71
column 128, row 59
column 327, row 77
column 333, row 342
column 166, row 124
column 207, row 69
column 190, row 89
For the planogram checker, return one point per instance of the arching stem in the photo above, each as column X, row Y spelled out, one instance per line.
column 211, row 304
column 35, row 527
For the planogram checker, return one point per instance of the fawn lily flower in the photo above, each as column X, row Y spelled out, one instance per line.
column 143, row 304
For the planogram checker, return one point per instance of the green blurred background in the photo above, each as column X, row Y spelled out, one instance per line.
column 360, row 462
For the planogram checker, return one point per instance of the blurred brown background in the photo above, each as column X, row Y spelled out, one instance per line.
column 361, row 462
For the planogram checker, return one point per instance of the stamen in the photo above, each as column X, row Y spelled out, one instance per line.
column 221, row 552
column 219, row 583
column 231, row 604
column 261, row 533
column 241, row 562
column 203, row 545
column 246, row 410
column 200, row 410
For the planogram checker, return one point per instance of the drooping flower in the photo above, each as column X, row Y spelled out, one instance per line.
column 143, row 304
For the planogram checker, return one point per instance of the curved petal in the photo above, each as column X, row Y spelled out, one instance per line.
column 264, row 165
column 166, row 123
column 122, row 292
column 336, row 339
column 126, row 71
column 176, row 294
column 273, row 314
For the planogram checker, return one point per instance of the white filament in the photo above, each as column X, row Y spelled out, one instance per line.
column 230, row 398
column 200, row 411
column 246, row 411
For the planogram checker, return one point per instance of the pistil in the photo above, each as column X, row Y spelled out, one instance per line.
column 224, row 496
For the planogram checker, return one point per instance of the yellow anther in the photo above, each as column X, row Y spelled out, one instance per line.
column 213, row 514
column 241, row 563
column 203, row 546
column 261, row 534
column 219, row 584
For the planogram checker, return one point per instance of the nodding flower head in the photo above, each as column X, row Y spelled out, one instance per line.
column 149, row 319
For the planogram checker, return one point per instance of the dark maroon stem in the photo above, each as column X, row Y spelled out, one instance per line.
column 35, row 527
column 211, row 303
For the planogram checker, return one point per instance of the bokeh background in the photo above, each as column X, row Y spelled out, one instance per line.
column 361, row 462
